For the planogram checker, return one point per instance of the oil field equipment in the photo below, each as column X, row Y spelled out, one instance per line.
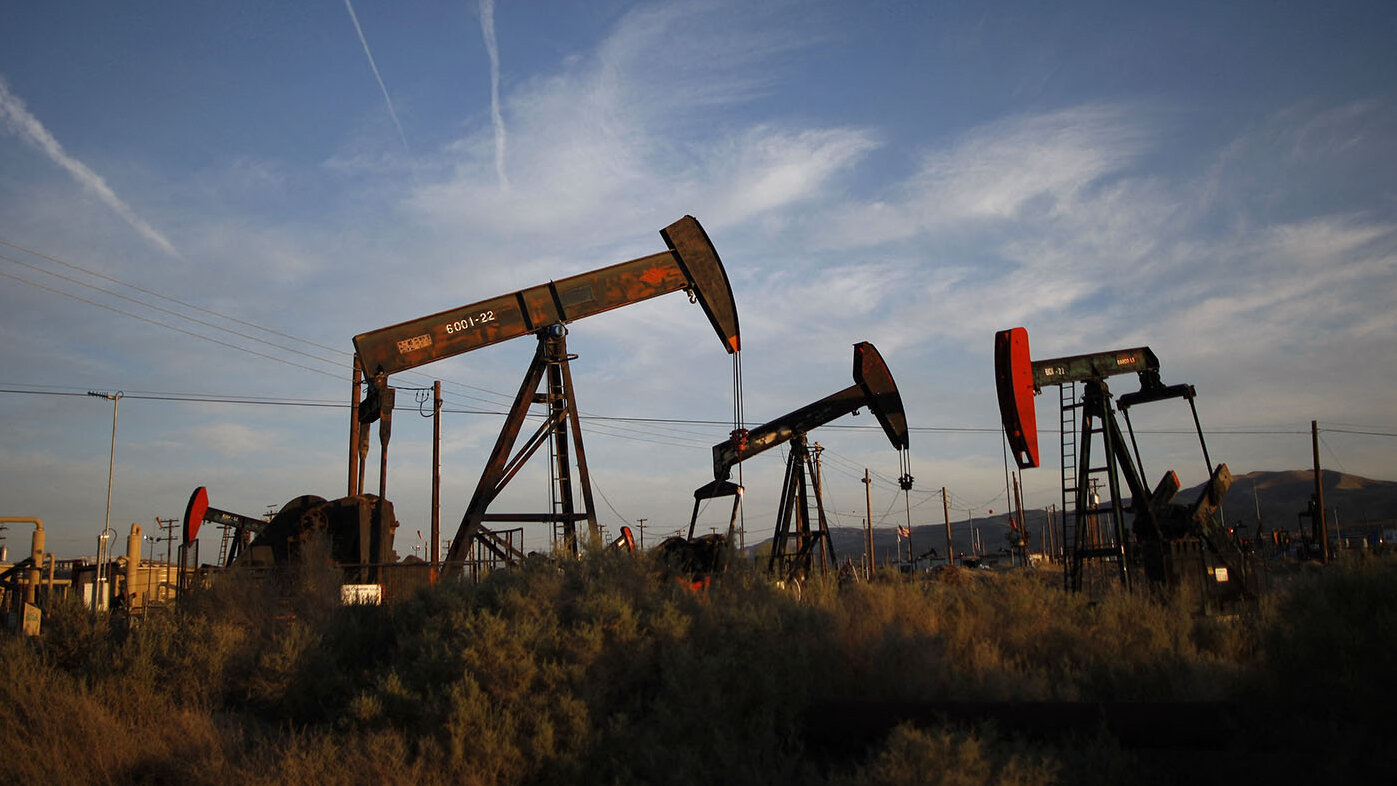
column 690, row 264
column 796, row 543
column 1172, row 544
column 359, row 530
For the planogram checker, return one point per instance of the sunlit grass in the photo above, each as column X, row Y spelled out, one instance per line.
column 605, row 670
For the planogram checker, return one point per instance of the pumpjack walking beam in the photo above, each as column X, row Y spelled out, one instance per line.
column 690, row 264
column 873, row 388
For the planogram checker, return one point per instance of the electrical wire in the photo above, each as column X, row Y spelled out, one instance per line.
column 171, row 312
column 168, row 326
column 186, row 304
column 739, row 415
column 608, row 424
column 604, row 498
column 153, row 293
column 1354, row 431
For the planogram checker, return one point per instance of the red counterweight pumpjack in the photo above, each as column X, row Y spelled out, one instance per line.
column 1166, row 535
column 359, row 531
column 873, row 388
column 690, row 264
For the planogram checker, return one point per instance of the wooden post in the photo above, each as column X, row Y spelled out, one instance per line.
column 358, row 377
column 1321, row 527
column 436, row 477
column 946, row 511
column 868, row 503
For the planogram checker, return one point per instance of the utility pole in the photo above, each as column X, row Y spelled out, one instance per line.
column 946, row 511
column 640, row 524
column 1021, row 544
column 167, row 534
column 436, row 477
column 1320, row 526
column 150, row 565
column 357, row 378
column 115, row 398
column 868, row 506
column 1256, row 501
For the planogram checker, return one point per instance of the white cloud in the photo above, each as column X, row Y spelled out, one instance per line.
column 1008, row 170
column 767, row 169
column 233, row 438
column 626, row 132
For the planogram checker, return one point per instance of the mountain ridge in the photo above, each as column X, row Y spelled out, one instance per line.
column 1356, row 505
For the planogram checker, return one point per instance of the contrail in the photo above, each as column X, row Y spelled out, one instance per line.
column 492, row 47
column 389, row 101
column 23, row 124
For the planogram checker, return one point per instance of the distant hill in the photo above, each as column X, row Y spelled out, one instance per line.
column 1363, row 505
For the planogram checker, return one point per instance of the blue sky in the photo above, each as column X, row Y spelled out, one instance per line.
column 1212, row 180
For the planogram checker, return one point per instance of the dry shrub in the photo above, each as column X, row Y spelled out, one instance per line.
column 601, row 669
column 951, row 757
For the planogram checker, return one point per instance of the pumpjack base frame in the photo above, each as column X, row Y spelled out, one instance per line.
column 562, row 426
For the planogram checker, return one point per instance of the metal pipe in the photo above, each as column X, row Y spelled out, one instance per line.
column 133, row 566
column 100, row 594
column 1202, row 442
column 36, row 550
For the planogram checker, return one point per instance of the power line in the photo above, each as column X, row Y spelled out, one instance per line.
column 153, row 293
column 171, row 312
column 607, row 423
column 167, row 326
column 1354, row 431
column 186, row 304
column 495, row 397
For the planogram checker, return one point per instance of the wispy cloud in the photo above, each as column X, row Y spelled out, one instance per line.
column 999, row 172
column 388, row 100
column 233, row 438
column 620, row 136
column 492, row 47
column 766, row 169
column 20, row 122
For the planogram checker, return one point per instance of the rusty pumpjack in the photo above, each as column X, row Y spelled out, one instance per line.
column 1168, row 538
column 795, row 542
column 690, row 264
column 359, row 529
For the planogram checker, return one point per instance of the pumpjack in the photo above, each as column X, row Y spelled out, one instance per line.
column 795, row 542
column 690, row 264
column 359, row 530
column 1167, row 541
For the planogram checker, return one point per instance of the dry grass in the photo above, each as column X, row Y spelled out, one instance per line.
column 603, row 671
